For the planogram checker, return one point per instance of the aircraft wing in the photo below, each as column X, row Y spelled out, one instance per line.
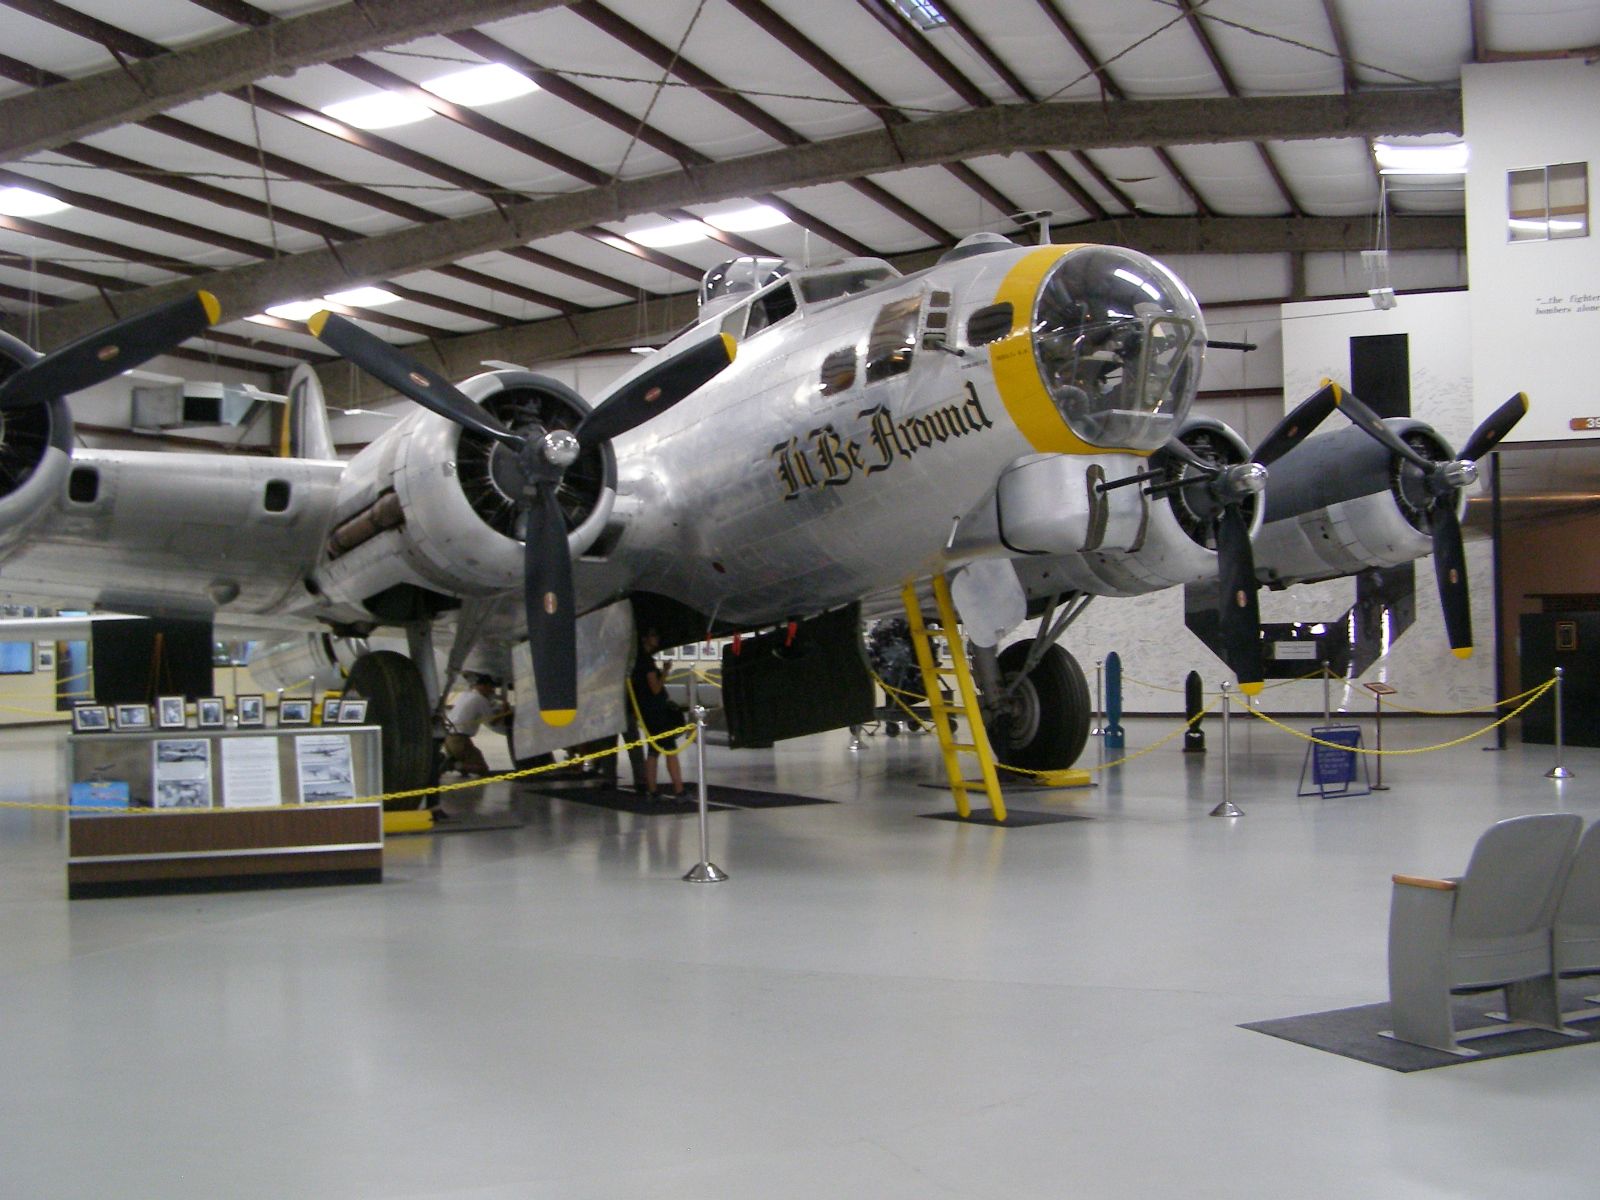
column 228, row 536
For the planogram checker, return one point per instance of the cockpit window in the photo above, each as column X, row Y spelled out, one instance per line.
column 757, row 314
column 729, row 282
column 1118, row 340
column 846, row 279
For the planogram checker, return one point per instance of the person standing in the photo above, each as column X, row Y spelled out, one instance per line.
column 658, row 712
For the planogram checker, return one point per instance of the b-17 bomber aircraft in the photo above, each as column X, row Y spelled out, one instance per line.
column 1015, row 418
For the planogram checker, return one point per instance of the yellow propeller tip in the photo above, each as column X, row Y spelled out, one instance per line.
column 1251, row 689
column 558, row 716
column 731, row 346
column 1523, row 396
column 212, row 306
column 1462, row 651
column 317, row 321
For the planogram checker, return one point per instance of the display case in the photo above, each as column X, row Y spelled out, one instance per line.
column 172, row 809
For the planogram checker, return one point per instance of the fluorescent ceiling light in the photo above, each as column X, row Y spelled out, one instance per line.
column 924, row 14
column 1449, row 159
column 488, row 84
column 677, row 233
column 25, row 202
column 296, row 310
column 382, row 110
column 745, row 220
column 362, row 297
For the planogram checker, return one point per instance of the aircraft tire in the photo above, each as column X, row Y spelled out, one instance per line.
column 1047, row 724
column 398, row 702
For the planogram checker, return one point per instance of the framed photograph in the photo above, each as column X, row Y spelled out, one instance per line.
column 330, row 711
column 352, row 712
column 182, row 772
column 252, row 710
column 132, row 717
column 90, row 718
column 293, row 712
column 44, row 656
column 209, row 712
column 170, row 712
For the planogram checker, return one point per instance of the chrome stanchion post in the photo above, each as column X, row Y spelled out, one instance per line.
column 1327, row 694
column 1558, row 771
column 1227, row 808
column 1099, row 700
column 704, row 871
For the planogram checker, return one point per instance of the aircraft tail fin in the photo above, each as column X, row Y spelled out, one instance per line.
column 302, row 429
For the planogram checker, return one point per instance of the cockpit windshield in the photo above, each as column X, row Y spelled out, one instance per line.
column 729, row 282
column 845, row 279
column 1118, row 340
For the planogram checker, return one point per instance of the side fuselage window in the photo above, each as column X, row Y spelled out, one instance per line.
column 893, row 338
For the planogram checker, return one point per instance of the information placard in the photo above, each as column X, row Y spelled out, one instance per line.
column 323, row 761
column 250, row 772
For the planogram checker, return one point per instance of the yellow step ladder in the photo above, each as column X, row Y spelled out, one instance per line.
column 943, row 625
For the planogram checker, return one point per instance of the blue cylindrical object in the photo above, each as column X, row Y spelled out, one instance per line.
column 1114, row 738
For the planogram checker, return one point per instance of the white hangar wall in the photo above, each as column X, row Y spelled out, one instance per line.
column 1541, row 299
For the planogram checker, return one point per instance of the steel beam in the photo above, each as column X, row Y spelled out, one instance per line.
column 951, row 138
column 65, row 112
column 618, row 327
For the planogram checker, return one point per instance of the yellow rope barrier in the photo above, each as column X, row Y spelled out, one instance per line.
column 895, row 693
column 1528, row 698
column 32, row 712
column 1537, row 693
column 1126, row 678
column 524, row 773
column 1462, row 712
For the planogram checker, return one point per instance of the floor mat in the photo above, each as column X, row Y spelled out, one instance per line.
column 1353, row 1032
column 718, row 798
column 1016, row 818
column 466, row 823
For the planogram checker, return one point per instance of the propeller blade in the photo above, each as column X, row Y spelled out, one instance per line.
column 1292, row 430
column 1499, row 423
column 1450, row 568
column 110, row 351
column 1373, row 425
column 547, row 592
column 1238, row 609
column 656, row 389
column 428, row 388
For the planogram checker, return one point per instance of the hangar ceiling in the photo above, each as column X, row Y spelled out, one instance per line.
column 189, row 143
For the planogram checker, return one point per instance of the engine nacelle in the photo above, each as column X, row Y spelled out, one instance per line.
column 314, row 662
column 35, row 452
column 1341, row 502
column 1173, row 541
column 429, row 507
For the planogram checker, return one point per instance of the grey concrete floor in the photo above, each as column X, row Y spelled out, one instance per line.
column 874, row 1005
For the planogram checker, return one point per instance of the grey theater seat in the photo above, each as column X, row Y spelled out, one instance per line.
column 1575, row 939
column 1489, row 929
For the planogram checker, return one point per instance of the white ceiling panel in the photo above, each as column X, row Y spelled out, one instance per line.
column 843, row 207
column 1145, row 179
column 1330, row 177
column 1419, row 41
column 1520, row 26
column 1147, row 49
column 1286, row 46
column 1231, row 178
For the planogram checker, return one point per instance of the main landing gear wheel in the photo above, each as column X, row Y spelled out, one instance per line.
column 398, row 702
column 1044, row 725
